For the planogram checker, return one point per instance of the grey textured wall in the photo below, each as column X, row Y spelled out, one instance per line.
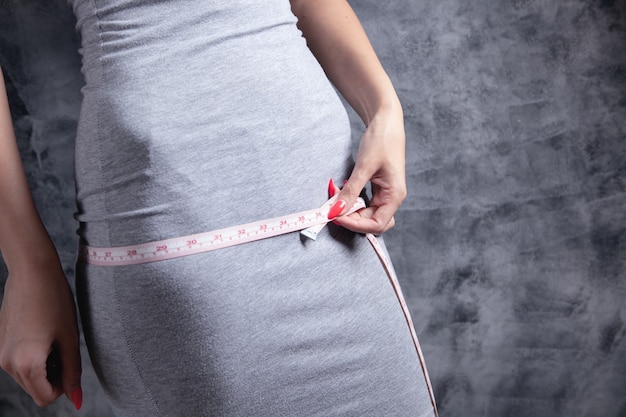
column 512, row 243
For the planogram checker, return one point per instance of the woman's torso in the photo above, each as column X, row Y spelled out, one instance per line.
column 199, row 115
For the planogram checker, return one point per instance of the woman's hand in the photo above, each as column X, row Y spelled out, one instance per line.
column 339, row 43
column 380, row 159
column 37, row 317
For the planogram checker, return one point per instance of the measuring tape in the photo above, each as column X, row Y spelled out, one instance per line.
column 309, row 223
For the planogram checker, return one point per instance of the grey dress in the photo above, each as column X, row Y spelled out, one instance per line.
column 199, row 115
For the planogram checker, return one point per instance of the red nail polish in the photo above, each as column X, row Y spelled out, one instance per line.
column 331, row 188
column 336, row 209
column 77, row 398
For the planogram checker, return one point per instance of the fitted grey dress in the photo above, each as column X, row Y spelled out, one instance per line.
column 199, row 115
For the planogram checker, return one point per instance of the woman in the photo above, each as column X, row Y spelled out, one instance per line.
column 198, row 116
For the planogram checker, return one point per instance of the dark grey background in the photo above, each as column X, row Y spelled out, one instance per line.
column 512, row 243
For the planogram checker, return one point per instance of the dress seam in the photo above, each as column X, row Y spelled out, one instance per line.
column 107, row 212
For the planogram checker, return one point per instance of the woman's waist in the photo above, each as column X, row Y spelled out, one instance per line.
column 121, row 220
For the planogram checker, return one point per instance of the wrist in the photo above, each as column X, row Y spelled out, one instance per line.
column 386, row 109
column 387, row 121
column 27, row 254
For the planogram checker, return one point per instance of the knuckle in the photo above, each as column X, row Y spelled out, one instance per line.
column 380, row 230
column 43, row 401
column 352, row 189
column 403, row 194
column 26, row 368
column 39, row 401
column 22, row 368
column 5, row 362
column 8, row 368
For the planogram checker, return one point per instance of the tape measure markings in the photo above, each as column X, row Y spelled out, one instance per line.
column 309, row 222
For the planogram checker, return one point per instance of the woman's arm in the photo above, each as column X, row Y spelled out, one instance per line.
column 339, row 43
column 38, row 311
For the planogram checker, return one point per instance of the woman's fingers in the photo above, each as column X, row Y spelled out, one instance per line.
column 379, row 161
column 28, row 368
column 348, row 194
column 39, row 342
column 378, row 217
column 375, row 220
column 71, row 370
column 33, row 366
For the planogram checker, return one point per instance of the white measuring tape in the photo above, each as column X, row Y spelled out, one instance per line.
column 309, row 223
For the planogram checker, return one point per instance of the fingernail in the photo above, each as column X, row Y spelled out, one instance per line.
column 345, row 182
column 331, row 188
column 336, row 209
column 77, row 398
